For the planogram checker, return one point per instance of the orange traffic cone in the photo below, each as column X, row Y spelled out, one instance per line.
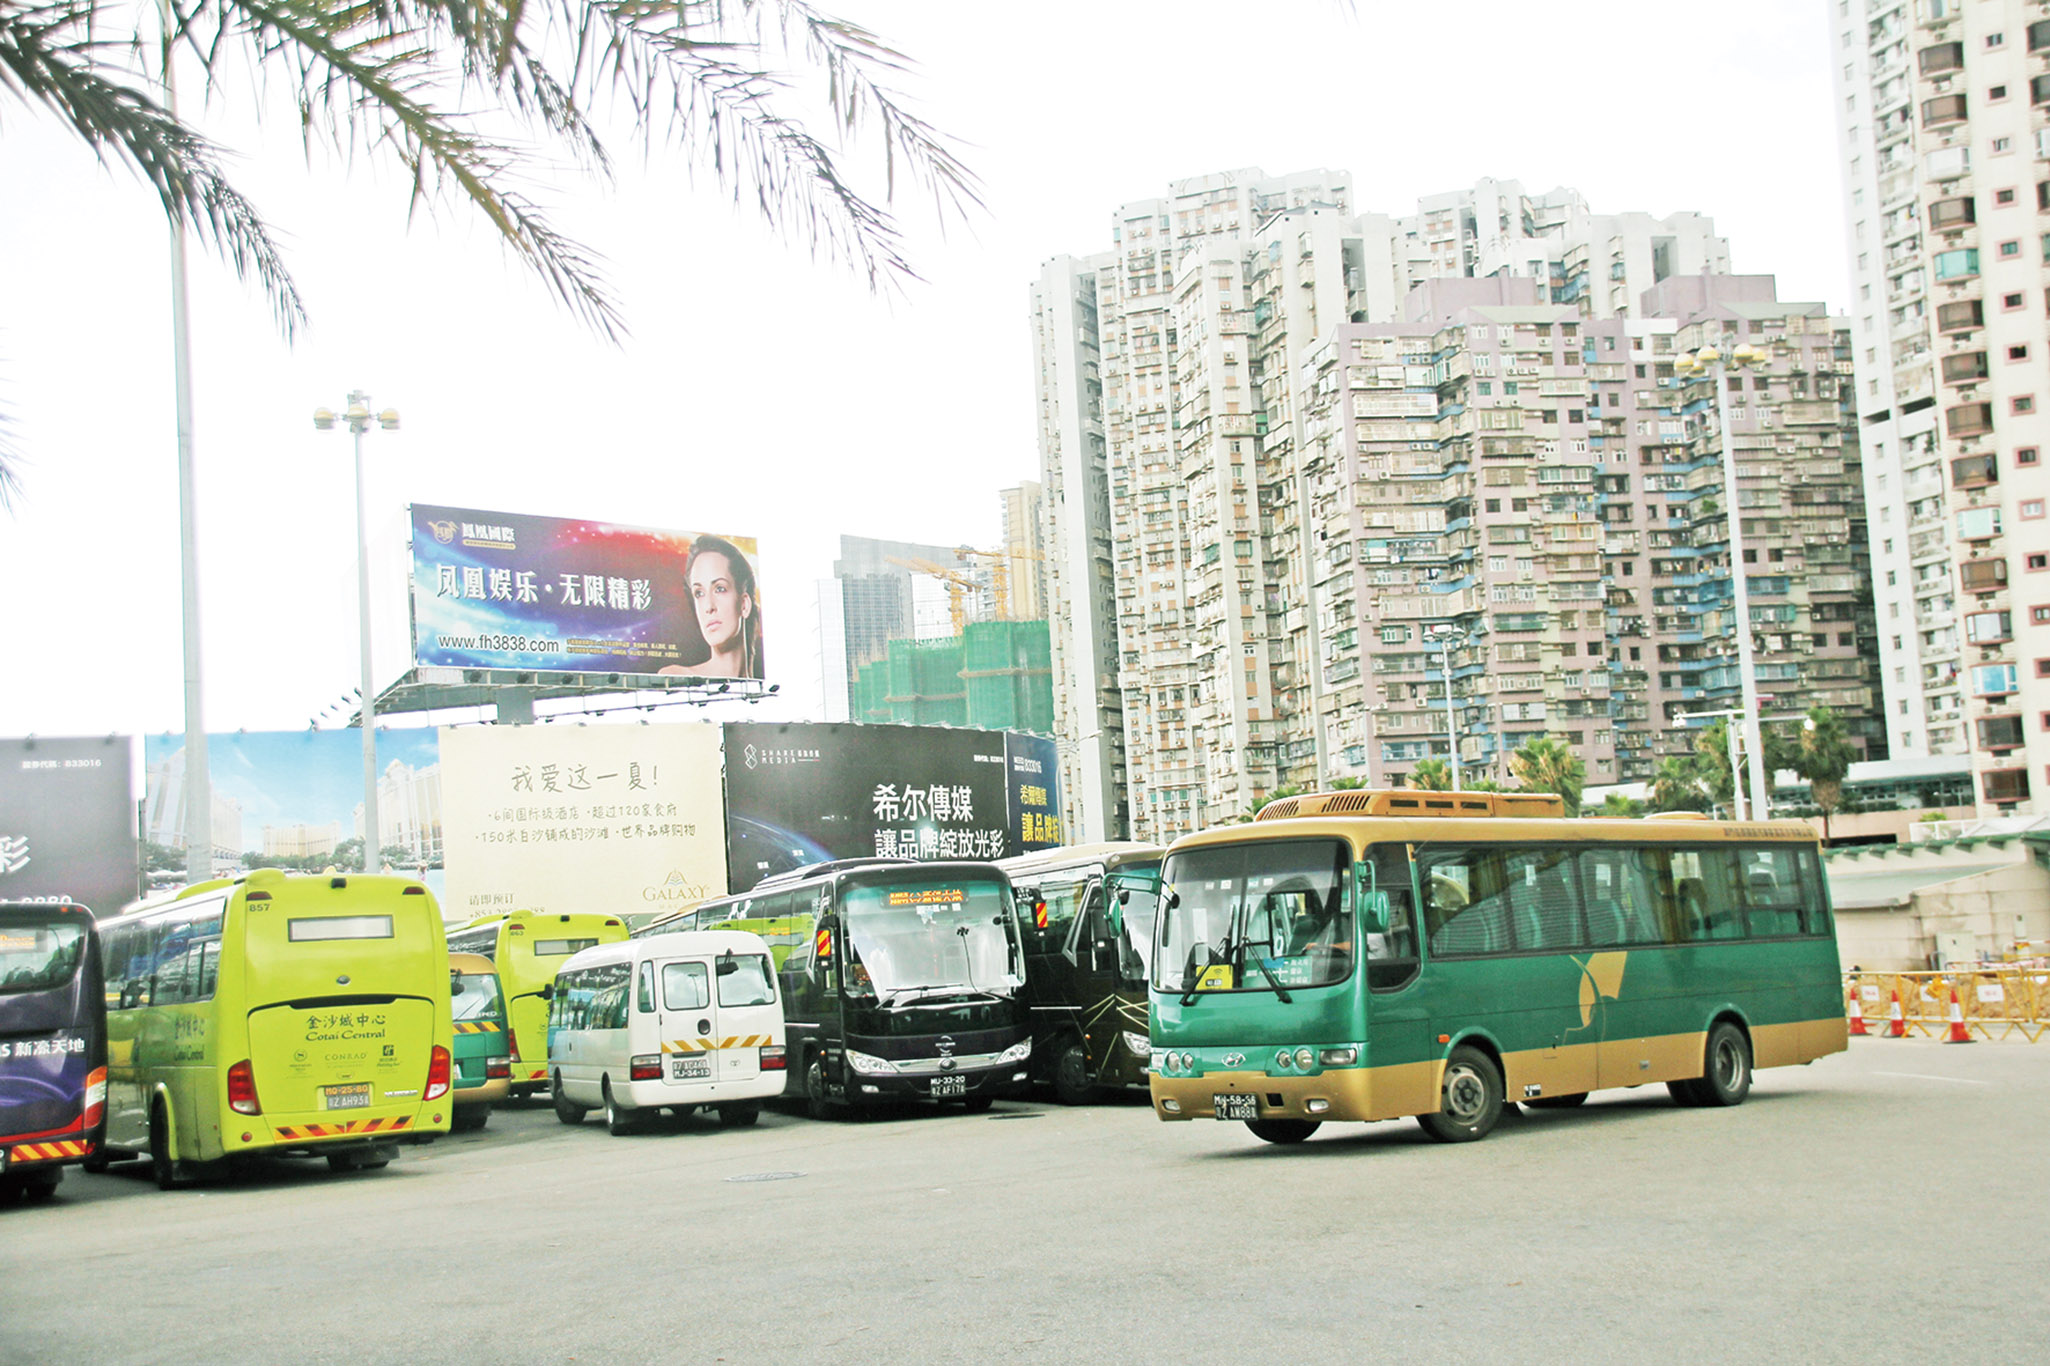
column 1857, row 1016
column 1896, row 1027
column 1957, row 1033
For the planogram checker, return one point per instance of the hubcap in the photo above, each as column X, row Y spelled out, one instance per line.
column 1729, row 1064
column 1465, row 1096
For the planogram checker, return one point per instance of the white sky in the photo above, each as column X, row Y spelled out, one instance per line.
column 762, row 393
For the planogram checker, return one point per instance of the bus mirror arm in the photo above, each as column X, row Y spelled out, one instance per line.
column 547, row 992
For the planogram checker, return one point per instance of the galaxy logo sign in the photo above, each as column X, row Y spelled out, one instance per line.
column 499, row 590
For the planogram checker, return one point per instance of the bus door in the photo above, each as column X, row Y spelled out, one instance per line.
column 1398, row 1007
column 709, row 1016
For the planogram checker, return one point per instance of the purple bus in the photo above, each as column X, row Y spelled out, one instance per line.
column 53, row 1046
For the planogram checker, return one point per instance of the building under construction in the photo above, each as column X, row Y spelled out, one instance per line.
column 995, row 675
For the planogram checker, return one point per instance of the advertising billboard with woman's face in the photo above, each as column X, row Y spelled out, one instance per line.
column 501, row 590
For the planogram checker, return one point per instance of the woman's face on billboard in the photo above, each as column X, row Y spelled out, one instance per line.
column 721, row 608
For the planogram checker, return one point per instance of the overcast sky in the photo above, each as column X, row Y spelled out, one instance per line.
column 763, row 393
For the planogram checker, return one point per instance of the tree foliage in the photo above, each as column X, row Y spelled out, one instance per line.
column 1821, row 752
column 1431, row 775
column 473, row 100
column 1543, row 764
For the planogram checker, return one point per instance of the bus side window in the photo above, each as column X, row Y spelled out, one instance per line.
column 1706, row 887
column 1618, row 893
column 645, row 999
column 1770, row 890
column 1392, row 957
column 1814, row 894
column 1466, row 906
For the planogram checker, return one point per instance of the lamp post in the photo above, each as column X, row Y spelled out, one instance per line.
column 1719, row 363
column 358, row 418
column 1445, row 635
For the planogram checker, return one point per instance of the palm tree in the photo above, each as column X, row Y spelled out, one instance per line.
column 1547, row 765
column 406, row 79
column 1678, row 785
column 1615, row 804
column 1823, row 754
column 1431, row 775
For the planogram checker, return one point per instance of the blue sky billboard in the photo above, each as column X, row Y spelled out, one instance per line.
column 502, row 590
column 297, row 793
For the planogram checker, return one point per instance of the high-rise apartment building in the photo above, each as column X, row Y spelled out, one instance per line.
column 1022, row 553
column 1944, row 122
column 1177, row 356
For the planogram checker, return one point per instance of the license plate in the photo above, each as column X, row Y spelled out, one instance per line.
column 355, row 1096
column 1236, row 1105
column 689, row 1069
column 950, row 1086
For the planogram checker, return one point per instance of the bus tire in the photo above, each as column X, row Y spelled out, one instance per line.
column 619, row 1119
column 1726, row 1067
column 1283, row 1131
column 1071, row 1084
column 738, row 1116
column 1566, row 1102
column 41, row 1184
column 97, row 1164
column 1683, row 1095
column 817, row 1103
column 163, row 1164
column 1470, row 1101
column 566, row 1110
column 469, row 1119
column 977, row 1105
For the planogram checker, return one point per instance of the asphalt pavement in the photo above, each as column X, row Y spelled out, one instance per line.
column 1882, row 1202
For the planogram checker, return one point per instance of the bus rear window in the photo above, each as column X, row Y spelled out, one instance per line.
column 339, row 927
column 39, row 957
column 558, row 948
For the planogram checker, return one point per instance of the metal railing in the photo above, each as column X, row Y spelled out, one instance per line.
column 1995, row 1000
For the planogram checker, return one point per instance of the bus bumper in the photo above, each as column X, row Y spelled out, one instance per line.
column 993, row 1081
column 1351, row 1093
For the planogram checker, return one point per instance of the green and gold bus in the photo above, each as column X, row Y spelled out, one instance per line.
column 276, row 1014
column 1374, row 955
column 527, row 947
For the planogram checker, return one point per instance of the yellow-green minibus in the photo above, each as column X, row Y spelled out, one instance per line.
column 278, row 1014
column 527, row 947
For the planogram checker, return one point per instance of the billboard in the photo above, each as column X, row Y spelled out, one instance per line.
column 67, row 822
column 800, row 793
column 294, row 798
column 624, row 820
column 1032, row 769
column 499, row 590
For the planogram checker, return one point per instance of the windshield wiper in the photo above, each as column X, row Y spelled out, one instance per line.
column 1223, row 954
column 952, row 991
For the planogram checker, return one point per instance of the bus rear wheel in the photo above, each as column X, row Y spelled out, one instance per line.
column 1283, row 1130
column 468, row 1119
column 619, row 1119
column 566, row 1110
column 163, row 1164
column 738, row 1116
column 1471, row 1100
column 1726, row 1070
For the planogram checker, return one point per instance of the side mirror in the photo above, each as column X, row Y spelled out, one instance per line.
column 1374, row 912
column 547, row 992
column 726, row 964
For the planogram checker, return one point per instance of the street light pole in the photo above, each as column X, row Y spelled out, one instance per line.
column 1445, row 639
column 359, row 418
column 1714, row 362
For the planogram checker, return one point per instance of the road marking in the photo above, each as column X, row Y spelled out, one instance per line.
column 1923, row 1076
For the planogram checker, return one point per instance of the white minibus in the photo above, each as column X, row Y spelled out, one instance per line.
column 670, row 1021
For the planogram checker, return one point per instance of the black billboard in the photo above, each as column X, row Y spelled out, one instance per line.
column 67, row 822
column 801, row 793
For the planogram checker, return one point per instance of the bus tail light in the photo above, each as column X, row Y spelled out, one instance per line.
column 498, row 1069
column 95, row 1098
column 437, row 1074
column 513, row 1044
column 774, row 1059
column 646, row 1067
column 242, row 1089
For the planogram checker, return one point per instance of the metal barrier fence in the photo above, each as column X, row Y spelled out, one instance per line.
column 1994, row 1001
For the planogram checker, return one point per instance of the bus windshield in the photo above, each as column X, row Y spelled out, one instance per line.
column 935, row 940
column 1141, row 902
column 1260, row 916
column 474, row 996
column 39, row 957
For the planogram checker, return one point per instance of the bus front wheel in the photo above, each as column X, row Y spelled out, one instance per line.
column 1471, row 1100
column 1071, row 1075
column 817, row 1103
column 1283, row 1130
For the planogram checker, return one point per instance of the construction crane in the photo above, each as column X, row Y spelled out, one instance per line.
column 959, row 586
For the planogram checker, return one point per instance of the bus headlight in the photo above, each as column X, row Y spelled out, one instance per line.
column 869, row 1065
column 1282, row 1058
column 1339, row 1057
column 1305, row 1059
column 1017, row 1052
column 1138, row 1045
